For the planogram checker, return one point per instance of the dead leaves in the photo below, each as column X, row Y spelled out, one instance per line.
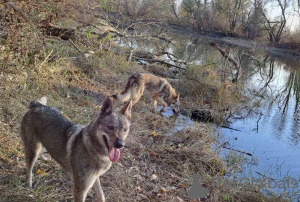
column 42, row 172
column 154, row 134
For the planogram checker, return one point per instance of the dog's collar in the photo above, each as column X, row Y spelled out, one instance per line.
column 106, row 142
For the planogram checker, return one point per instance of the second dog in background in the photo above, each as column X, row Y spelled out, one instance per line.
column 160, row 90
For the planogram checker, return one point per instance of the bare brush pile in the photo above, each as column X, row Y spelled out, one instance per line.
column 152, row 166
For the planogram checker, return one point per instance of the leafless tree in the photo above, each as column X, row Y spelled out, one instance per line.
column 232, row 9
column 199, row 13
column 275, row 27
column 253, row 25
column 174, row 7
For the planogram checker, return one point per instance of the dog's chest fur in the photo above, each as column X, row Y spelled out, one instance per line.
column 86, row 154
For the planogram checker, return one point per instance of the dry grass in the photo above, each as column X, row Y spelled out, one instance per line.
column 151, row 168
column 202, row 88
column 79, row 95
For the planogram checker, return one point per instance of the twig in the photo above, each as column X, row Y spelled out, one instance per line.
column 263, row 175
column 78, row 49
column 45, row 59
column 37, row 67
column 230, row 128
column 236, row 150
column 257, row 123
column 130, row 56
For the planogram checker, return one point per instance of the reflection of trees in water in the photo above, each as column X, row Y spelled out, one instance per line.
column 292, row 84
column 195, row 50
column 271, row 62
column 292, row 89
column 290, row 93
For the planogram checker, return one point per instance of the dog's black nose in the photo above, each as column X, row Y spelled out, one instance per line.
column 119, row 144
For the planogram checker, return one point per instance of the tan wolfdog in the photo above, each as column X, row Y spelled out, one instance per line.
column 85, row 152
column 159, row 89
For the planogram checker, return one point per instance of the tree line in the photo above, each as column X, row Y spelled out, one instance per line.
column 246, row 18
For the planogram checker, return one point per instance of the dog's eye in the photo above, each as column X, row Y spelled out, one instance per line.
column 110, row 127
column 125, row 129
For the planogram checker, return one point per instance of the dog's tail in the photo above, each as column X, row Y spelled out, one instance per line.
column 124, row 96
column 135, row 81
column 38, row 103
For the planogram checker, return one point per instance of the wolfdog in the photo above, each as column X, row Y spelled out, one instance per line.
column 159, row 89
column 85, row 152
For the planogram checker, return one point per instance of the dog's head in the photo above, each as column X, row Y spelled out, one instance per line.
column 175, row 101
column 114, row 127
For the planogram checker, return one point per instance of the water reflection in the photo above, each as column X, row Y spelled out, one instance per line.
column 271, row 130
column 282, row 88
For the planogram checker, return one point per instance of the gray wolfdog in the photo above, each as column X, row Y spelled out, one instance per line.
column 160, row 90
column 85, row 152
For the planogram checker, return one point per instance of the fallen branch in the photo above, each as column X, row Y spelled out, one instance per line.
column 159, row 35
column 223, row 146
column 130, row 56
column 227, row 127
column 230, row 59
column 169, row 56
column 45, row 59
column 78, row 49
column 160, row 61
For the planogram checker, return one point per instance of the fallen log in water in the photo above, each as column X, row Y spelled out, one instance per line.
column 202, row 116
column 230, row 59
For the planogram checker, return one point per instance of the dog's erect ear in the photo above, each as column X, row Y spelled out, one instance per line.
column 126, row 110
column 43, row 100
column 107, row 108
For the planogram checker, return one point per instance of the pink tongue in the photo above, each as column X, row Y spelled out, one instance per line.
column 114, row 154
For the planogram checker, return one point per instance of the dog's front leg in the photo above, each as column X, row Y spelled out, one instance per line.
column 162, row 102
column 98, row 191
column 82, row 185
column 78, row 194
column 154, row 103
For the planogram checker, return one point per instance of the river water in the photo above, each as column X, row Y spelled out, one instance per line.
column 268, row 128
column 271, row 132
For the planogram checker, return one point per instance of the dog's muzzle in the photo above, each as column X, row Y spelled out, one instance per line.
column 175, row 109
column 118, row 144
